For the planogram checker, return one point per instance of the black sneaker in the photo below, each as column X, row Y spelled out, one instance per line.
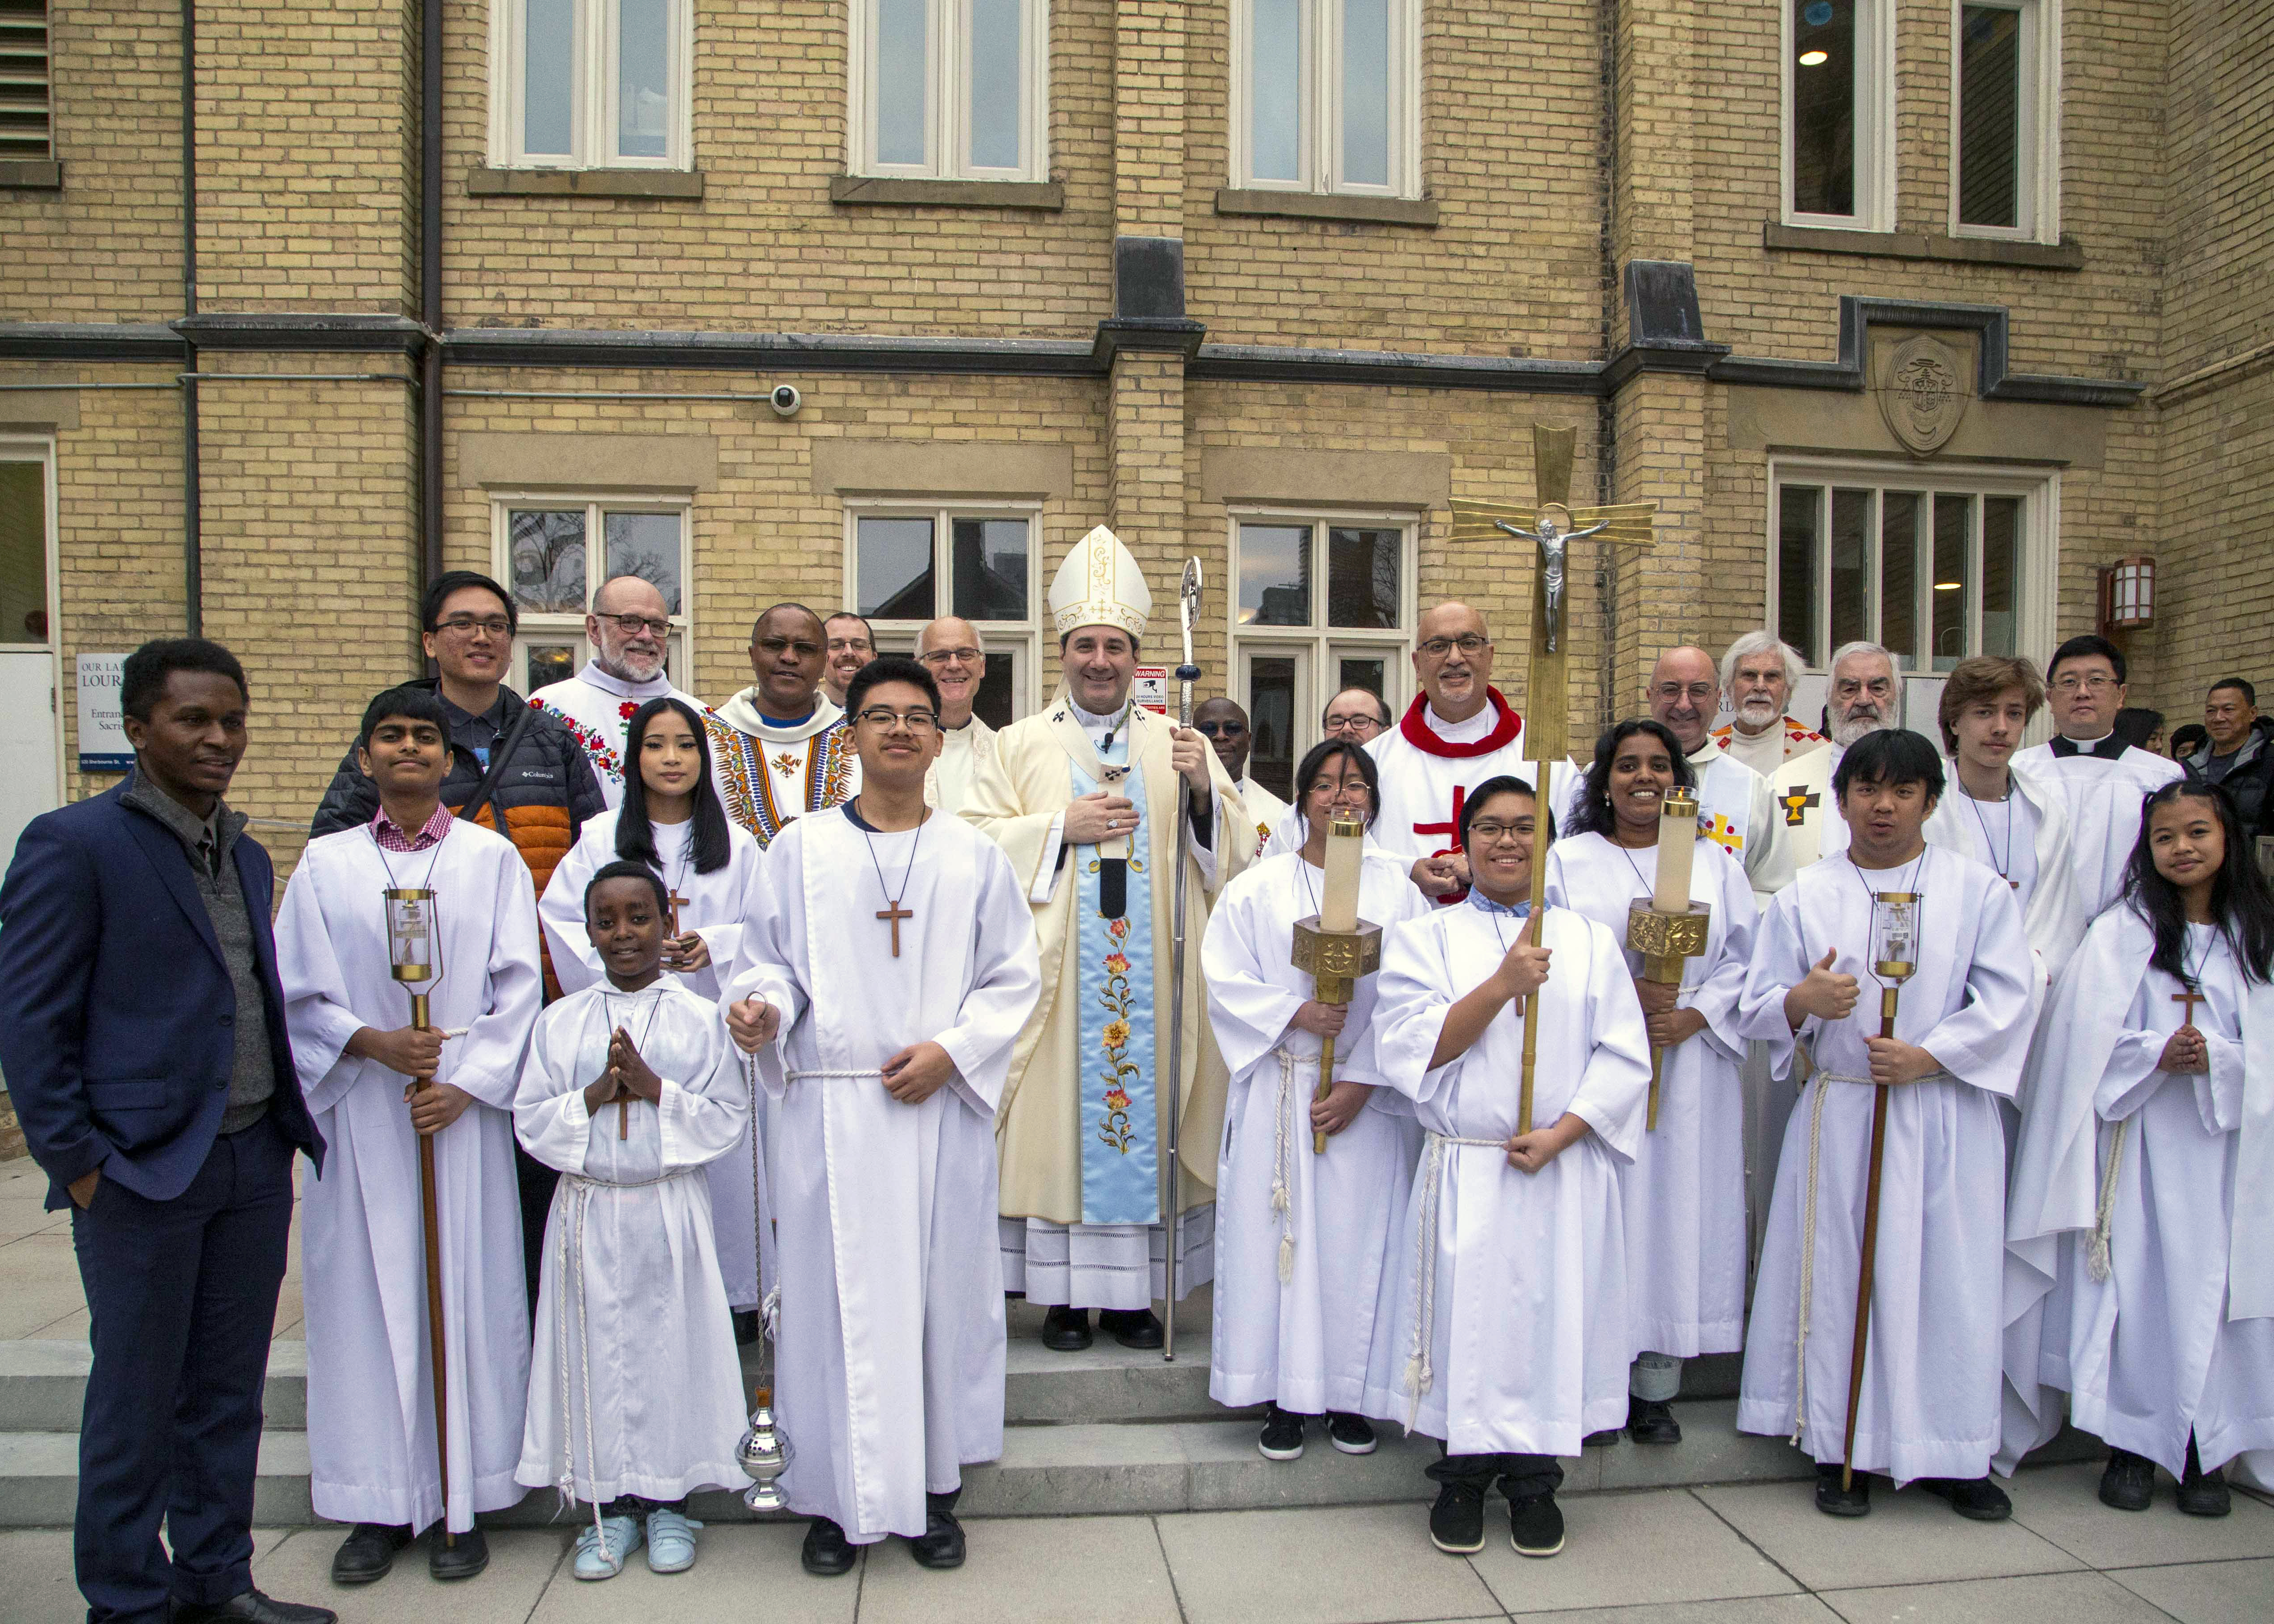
column 1975, row 1498
column 1650, row 1421
column 827, row 1551
column 2128, row 1484
column 2203, row 1494
column 1282, row 1435
column 1834, row 1502
column 1535, row 1525
column 1351, row 1435
column 1457, row 1522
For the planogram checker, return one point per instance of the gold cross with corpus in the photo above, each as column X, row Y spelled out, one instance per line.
column 896, row 914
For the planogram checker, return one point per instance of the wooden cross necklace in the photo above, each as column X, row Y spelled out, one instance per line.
column 893, row 911
column 2191, row 991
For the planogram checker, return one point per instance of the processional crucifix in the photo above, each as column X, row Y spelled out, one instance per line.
column 1551, row 525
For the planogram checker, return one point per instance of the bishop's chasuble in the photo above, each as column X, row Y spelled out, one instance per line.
column 771, row 772
column 1084, row 1124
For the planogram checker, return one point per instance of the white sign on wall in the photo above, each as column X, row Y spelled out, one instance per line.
column 103, row 746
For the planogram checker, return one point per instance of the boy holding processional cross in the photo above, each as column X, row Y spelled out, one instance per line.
column 635, row 1396
column 378, row 1083
column 1919, row 1391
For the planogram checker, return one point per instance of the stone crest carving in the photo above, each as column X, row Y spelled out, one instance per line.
column 1923, row 392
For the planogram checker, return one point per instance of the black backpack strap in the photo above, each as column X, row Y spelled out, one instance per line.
column 501, row 753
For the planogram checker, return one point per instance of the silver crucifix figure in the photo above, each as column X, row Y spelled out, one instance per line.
column 1554, row 540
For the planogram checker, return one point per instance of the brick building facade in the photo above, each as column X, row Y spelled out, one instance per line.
column 1268, row 282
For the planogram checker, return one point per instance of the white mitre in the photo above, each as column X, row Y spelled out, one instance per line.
column 1100, row 584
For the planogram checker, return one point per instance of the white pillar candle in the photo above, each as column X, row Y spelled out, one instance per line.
column 1338, row 901
column 1678, row 845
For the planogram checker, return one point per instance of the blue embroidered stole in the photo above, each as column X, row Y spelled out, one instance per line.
column 1121, row 1154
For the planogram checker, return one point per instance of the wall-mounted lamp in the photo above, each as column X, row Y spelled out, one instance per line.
column 2127, row 594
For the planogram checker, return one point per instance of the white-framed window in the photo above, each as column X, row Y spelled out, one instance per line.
column 908, row 563
column 591, row 84
column 950, row 89
column 1321, row 603
column 1936, row 566
column 31, row 665
column 1840, row 114
column 551, row 551
column 1326, row 96
column 27, row 121
column 2004, row 118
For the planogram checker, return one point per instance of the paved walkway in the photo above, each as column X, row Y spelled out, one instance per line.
column 1704, row 1556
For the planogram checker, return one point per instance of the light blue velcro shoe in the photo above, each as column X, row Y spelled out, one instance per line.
column 602, row 1552
column 670, row 1542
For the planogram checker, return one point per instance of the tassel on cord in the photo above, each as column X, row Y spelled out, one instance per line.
column 2104, row 1216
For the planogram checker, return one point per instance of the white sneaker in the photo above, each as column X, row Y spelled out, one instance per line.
column 602, row 1552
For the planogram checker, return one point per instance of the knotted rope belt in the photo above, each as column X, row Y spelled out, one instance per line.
column 1420, row 1378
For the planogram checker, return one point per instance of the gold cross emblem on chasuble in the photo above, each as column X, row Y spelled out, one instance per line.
column 1796, row 804
column 1724, row 834
column 786, row 764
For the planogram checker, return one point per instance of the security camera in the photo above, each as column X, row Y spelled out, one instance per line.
column 784, row 400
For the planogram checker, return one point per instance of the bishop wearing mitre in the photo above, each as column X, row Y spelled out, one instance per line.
column 1083, row 797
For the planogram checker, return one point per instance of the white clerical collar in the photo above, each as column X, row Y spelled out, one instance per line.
column 599, row 676
column 1460, row 732
column 2086, row 747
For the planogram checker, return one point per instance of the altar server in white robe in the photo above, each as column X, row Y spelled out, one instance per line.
column 672, row 822
column 2011, row 817
column 1930, row 1405
column 2104, row 778
column 635, row 1390
column 1685, row 1192
column 371, row 1408
column 884, row 1036
column 1511, row 1293
column 2147, row 1168
column 1302, row 1239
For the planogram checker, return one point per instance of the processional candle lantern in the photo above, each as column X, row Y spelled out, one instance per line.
column 1667, row 927
column 1335, row 945
column 1894, row 960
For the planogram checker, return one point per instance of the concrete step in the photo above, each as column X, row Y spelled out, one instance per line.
column 1080, row 1470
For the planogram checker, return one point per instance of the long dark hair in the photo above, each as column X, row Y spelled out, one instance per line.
column 2242, row 902
column 708, row 841
column 1593, row 815
column 1314, row 764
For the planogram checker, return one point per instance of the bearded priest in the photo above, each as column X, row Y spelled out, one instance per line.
column 1083, row 797
column 629, row 628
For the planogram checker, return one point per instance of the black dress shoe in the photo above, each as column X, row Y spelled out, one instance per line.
column 827, row 1551
column 1976, row 1499
column 368, row 1553
column 461, row 1560
column 1650, row 1421
column 252, row 1608
column 1132, row 1327
column 1603, row 1439
column 941, row 1544
column 1834, row 1502
column 747, row 1326
column 2203, row 1494
column 1066, row 1330
column 2128, row 1484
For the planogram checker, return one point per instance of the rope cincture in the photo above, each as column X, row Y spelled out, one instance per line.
column 1282, row 1198
column 2104, row 1211
column 1420, row 1378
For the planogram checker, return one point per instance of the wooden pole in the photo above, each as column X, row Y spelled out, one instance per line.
column 1869, row 1254
column 437, row 1343
column 1326, row 1083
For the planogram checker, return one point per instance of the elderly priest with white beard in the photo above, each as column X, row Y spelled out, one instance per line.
column 1083, row 795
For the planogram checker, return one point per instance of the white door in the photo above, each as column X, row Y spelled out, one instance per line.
column 28, row 722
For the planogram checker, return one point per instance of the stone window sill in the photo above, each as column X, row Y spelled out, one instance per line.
column 2066, row 255
column 904, row 191
column 487, row 183
column 1327, row 206
column 30, row 175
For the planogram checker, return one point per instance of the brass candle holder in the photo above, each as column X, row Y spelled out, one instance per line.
column 1337, row 958
column 1665, row 940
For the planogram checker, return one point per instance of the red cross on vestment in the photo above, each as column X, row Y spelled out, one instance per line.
column 1450, row 830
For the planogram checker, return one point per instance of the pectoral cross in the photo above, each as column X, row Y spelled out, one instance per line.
column 1452, row 831
column 896, row 914
column 2190, row 998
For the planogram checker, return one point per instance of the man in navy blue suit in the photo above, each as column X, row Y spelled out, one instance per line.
column 142, row 1034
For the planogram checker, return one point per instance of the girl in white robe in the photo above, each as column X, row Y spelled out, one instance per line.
column 1685, row 1192
column 2147, row 1167
column 671, row 820
column 1511, row 1291
column 1302, row 1238
column 635, row 1392
column 371, row 1409
column 1929, row 1404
